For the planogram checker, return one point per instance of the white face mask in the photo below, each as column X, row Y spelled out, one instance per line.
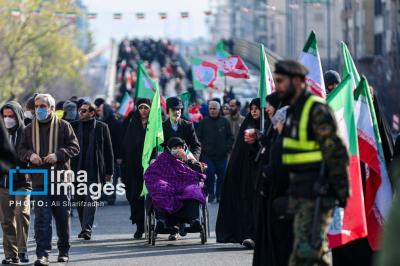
column 9, row 122
column 28, row 114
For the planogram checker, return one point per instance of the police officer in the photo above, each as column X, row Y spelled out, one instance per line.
column 316, row 160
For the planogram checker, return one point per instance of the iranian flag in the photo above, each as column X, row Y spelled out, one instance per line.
column 379, row 195
column 163, row 15
column 71, row 16
column 16, row 12
column 349, row 68
column 204, row 74
column 145, row 86
column 266, row 85
column 126, row 105
column 349, row 223
column 184, row 14
column 230, row 65
column 310, row 58
column 117, row 16
column 140, row 15
column 92, row 15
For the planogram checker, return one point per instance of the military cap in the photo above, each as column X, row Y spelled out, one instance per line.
column 290, row 68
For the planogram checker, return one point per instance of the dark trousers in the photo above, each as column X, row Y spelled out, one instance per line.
column 189, row 212
column 45, row 207
column 117, row 174
column 137, row 212
column 215, row 168
column 86, row 208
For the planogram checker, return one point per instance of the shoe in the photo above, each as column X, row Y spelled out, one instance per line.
column 80, row 235
column 42, row 261
column 173, row 237
column 86, row 235
column 138, row 234
column 23, row 257
column 182, row 231
column 195, row 224
column 63, row 258
column 248, row 243
column 10, row 261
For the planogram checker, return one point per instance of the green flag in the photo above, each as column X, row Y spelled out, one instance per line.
column 220, row 50
column 266, row 80
column 145, row 86
column 185, row 97
column 349, row 68
column 154, row 133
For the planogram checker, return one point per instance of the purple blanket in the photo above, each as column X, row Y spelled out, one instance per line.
column 170, row 181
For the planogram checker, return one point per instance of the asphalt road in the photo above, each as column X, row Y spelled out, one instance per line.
column 112, row 244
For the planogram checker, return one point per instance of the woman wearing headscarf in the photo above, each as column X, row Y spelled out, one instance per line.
column 274, row 234
column 236, row 215
column 132, row 175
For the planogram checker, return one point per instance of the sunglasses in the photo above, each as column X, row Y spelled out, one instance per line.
column 83, row 111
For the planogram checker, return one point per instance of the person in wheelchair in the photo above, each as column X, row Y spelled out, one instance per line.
column 175, row 182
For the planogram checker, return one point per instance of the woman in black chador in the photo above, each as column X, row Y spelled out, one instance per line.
column 236, row 215
column 132, row 175
column 274, row 233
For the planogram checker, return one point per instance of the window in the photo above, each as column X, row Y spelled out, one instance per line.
column 378, row 7
column 378, row 43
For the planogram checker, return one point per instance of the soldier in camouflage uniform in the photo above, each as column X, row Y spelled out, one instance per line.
column 317, row 161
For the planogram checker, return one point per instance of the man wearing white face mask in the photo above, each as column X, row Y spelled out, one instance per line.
column 15, row 233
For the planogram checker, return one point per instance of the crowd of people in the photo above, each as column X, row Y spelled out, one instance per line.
column 261, row 168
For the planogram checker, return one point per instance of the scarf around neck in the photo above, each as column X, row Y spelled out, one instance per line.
column 53, row 136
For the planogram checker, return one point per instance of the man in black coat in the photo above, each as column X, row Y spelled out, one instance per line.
column 216, row 139
column 96, row 158
column 175, row 126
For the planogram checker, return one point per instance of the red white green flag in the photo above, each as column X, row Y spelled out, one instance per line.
column 266, row 85
column 117, row 16
column 184, row 14
column 140, row 15
column 92, row 15
column 126, row 105
column 204, row 74
column 349, row 223
column 378, row 195
column 310, row 58
column 16, row 12
column 163, row 15
column 349, row 68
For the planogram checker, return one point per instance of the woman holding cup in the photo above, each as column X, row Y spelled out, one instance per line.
column 236, row 216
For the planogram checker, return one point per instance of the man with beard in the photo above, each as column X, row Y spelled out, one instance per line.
column 316, row 160
column 235, row 118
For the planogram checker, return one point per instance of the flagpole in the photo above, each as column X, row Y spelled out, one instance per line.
column 226, row 83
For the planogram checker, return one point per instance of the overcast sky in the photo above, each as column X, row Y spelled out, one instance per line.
column 105, row 27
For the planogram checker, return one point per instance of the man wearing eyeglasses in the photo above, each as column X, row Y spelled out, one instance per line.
column 96, row 158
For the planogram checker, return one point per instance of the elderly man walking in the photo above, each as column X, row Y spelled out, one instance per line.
column 48, row 144
column 215, row 135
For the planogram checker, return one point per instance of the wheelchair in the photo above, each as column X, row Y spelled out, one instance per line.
column 151, row 230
